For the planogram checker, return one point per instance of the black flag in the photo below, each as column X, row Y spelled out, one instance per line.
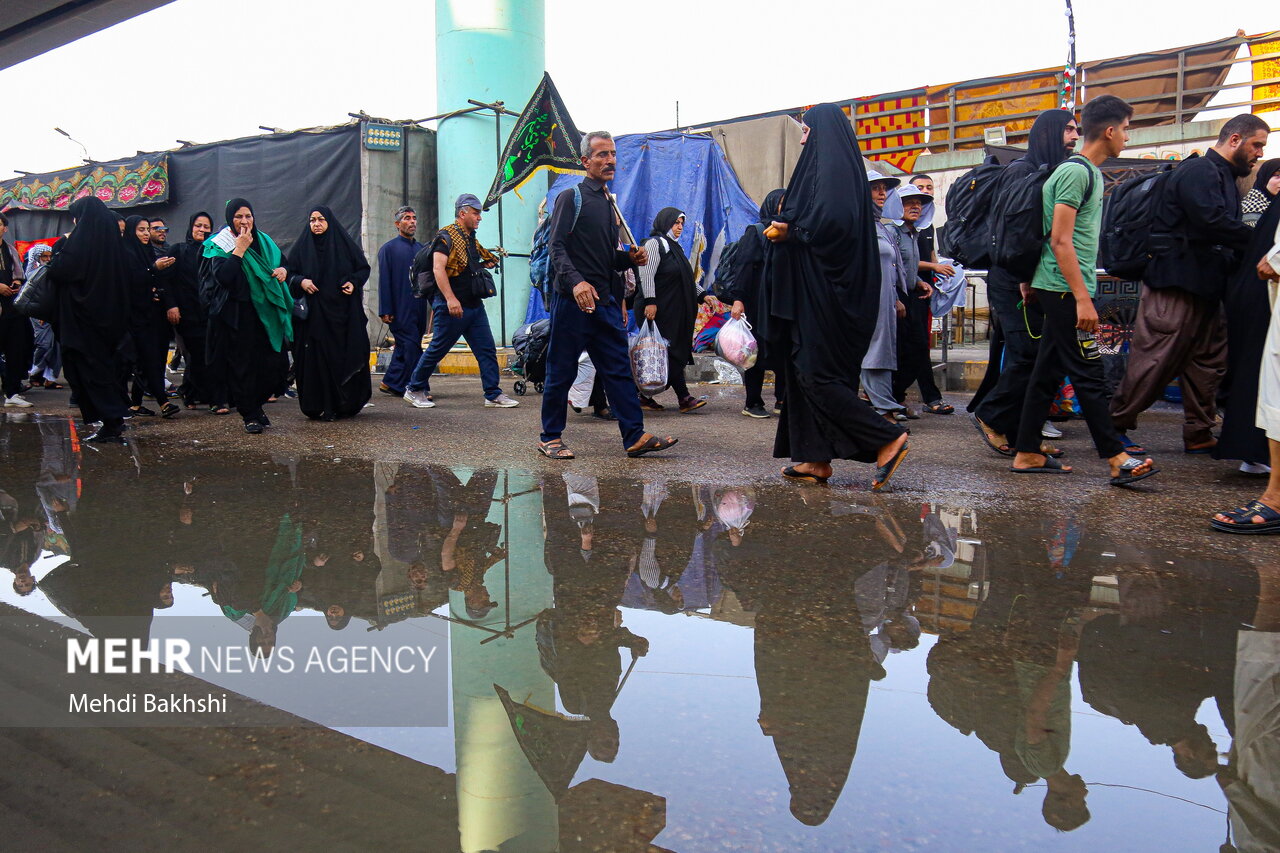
column 544, row 137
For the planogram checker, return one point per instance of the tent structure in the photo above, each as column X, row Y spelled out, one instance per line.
column 683, row 170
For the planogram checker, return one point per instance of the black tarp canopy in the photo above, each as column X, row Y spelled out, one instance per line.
column 281, row 173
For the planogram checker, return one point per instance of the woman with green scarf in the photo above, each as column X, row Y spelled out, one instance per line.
column 249, row 312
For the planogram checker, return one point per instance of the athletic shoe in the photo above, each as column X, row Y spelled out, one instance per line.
column 418, row 399
column 253, row 427
column 16, row 401
column 1050, row 431
column 755, row 412
column 502, row 401
column 1254, row 468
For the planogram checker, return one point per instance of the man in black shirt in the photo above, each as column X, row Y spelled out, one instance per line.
column 458, row 262
column 586, row 304
column 1197, row 237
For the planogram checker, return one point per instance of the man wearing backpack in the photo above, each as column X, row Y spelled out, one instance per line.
column 459, row 265
column 1064, row 284
column 1052, row 139
column 1197, row 235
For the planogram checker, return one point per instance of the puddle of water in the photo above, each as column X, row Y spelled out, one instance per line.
column 747, row 668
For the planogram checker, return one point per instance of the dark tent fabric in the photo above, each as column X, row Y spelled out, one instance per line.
column 283, row 173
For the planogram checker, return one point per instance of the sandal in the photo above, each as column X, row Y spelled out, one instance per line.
column 791, row 473
column 885, row 472
column 649, row 443
column 1050, row 466
column 1053, row 452
column 554, row 449
column 1241, row 519
column 169, row 410
column 1126, row 475
column 688, row 404
column 1197, row 449
column 989, row 437
column 222, row 409
column 651, row 404
column 940, row 408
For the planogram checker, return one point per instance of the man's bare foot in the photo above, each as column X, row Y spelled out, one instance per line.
column 1121, row 458
column 817, row 469
column 890, row 450
column 1034, row 460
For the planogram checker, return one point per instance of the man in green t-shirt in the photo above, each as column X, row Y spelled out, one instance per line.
column 1064, row 285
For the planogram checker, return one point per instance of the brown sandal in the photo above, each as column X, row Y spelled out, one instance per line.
column 650, row 443
column 554, row 449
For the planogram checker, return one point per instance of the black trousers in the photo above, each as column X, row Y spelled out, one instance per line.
column 915, row 366
column 1061, row 355
column 1001, row 409
column 151, row 352
column 17, row 345
column 753, row 381
column 197, row 386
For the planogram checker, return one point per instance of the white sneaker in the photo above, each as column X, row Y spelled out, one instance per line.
column 1050, row 431
column 418, row 399
column 502, row 401
column 1254, row 468
column 16, row 401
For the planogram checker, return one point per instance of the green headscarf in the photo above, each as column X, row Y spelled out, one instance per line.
column 270, row 298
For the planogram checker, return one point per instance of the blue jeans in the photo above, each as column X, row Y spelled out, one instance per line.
column 603, row 335
column 473, row 326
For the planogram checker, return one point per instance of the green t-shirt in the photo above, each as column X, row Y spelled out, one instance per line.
column 1067, row 185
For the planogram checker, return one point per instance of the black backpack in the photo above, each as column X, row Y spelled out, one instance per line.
column 966, row 236
column 422, row 275
column 727, row 267
column 1125, row 245
column 1018, row 220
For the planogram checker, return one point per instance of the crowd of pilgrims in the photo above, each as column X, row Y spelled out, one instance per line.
column 267, row 541
column 248, row 319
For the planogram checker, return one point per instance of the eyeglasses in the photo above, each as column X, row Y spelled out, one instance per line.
column 159, row 228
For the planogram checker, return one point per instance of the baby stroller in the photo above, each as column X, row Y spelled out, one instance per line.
column 530, row 343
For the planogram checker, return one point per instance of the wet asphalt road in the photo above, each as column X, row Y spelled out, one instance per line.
column 947, row 460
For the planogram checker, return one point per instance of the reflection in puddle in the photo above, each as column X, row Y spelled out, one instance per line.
column 649, row 662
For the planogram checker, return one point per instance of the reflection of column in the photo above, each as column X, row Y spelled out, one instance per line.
column 392, row 577
column 502, row 803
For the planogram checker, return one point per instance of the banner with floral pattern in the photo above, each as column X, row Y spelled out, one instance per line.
column 123, row 183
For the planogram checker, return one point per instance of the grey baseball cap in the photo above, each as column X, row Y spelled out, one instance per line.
column 466, row 200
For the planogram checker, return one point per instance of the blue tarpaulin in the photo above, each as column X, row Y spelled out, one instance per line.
column 688, row 171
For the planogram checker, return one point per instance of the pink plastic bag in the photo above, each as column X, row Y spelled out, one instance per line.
column 736, row 345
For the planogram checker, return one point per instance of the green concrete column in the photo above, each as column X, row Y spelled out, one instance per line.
column 502, row 803
column 489, row 50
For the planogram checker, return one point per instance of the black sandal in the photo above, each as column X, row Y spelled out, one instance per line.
column 940, row 408
column 884, row 472
column 650, row 444
column 554, row 449
column 791, row 473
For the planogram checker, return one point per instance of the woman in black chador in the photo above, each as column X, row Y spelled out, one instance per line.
column 823, row 299
column 148, row 344
column 670, row 298
column 92, row 275
column 249, row 312
column 1248, row 317
column 331, row 346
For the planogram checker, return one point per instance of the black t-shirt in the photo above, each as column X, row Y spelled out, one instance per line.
column 461, row 284
column 925, row 241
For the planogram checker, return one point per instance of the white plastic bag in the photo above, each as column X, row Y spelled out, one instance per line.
column 736, row 345
column 734, row 507
column 649, row 360
column 580, row 391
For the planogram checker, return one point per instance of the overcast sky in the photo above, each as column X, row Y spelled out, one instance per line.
column 190, row 70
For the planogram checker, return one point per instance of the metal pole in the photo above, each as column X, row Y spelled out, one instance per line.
column 502, row 269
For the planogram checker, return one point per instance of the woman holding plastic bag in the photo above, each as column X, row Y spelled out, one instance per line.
column 824, row 295
column 669, row 298
column 746, row 294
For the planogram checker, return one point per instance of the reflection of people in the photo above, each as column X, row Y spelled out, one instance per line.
column 469, row 547
column 1251, row 781
column 261, row 613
